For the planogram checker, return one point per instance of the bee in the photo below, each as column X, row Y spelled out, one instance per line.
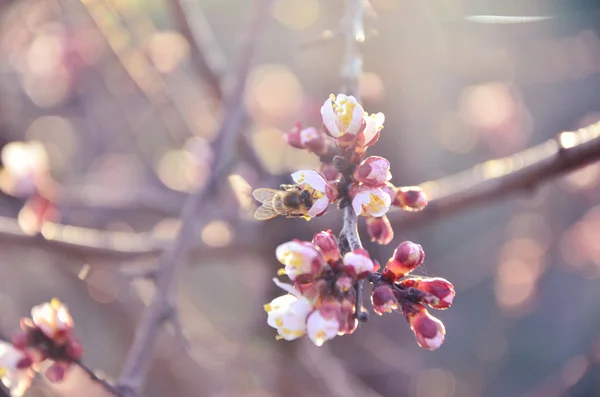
column 291, row 201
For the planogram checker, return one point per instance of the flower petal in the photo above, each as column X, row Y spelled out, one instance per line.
column 318, row 207
column 287, row 288
column 311, row 178
column 330, row 118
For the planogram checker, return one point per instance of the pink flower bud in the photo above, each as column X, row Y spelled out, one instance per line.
column 429, row 331
column 313, row 140
column 358, row 263
column 331, row 191
column 293, row 137
column 331, row 173
column 411, row 198
column 407, row 257
column 383, row 299
column 328, row 244
column 439, row 293
column 380, row 230
column 20, row 340
column 74, row 349
column 57, row 371
column 24, row 362
column 373, row 171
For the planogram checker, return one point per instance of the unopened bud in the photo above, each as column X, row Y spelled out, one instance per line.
column 410, row 198
column 358, row 263
column 383, row 299
column 373, row 171
column 313, row 140
column 328, row 244
column 56, row 372
column 437, row 292
column 331, row 190
column 349, row 322
column 293, row 136
column 407, row 257
column 20, row 340
column 380, row 230
column 429, row 331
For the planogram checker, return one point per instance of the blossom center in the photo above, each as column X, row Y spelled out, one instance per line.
column 293, row 259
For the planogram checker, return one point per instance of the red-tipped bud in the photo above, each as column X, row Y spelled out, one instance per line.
column 349, row 322
column 438, row 292
column 407, row 257
column 330, row 171
column 380, row 230
column 20, row 340
column 331, row 190
column 293, row 136
column 373, row 171
column 24, row 362
column 383, row 299
column 57, row 371
column 74, row 349
column 410, row 198
column 429, row 331
column 358, row 263
column 313, row 140
column 328, row 244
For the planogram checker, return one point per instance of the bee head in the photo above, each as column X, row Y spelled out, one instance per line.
column 306, row 198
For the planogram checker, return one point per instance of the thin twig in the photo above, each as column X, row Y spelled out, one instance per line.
column 174, row 258
column 207, row 57
column 95, row 378
column 496, row 179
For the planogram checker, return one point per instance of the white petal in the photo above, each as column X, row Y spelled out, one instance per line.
column 342, row 97
column 287, row 288
column 387, row 201
column 320, row 329
column 360, row 262
column 318, row 206
column 330, row 118
column 357, row 118
column 310, row 177
column 279, row 306
column 358, row 201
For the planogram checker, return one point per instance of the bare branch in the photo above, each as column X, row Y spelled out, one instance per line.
column 497, row 179
column 207, row 57
column 174, row 258
column 95, row 378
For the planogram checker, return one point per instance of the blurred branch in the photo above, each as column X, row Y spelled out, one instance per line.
column 102, row 382
column 174, row 257
column 207, row 57
column 496, row 179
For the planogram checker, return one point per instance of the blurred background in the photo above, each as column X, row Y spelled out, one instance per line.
column 107, row 109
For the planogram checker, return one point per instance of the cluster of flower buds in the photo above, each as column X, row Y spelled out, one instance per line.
column 324, row 299
column 321, row 302
column 393, row 290
column 45, row 336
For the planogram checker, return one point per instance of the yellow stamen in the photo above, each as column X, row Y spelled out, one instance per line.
column 286, row 331
column 268, row 307
column 279, row 322
column 55, row 304
column 281, row 272
column 298, row 333
column 3, row 371
column 293, row 259
column 278, row 337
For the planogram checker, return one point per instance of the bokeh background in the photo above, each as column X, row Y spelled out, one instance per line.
column 106, row 108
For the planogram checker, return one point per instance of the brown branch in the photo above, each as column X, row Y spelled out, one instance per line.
column 174, row 258
column 207, row 57
column 496, row 179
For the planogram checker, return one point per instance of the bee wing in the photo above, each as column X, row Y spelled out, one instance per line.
column 263, row 213
column 265, row 196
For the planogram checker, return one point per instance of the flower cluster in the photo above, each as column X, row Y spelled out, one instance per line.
column 321, row 302
column 45, row 336
column 327, row 273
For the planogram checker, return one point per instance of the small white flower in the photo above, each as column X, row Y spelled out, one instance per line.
column 342, row 115
column 299, row 258
column 371, row 202
column 374, row 124
column 359, row 262
column 314, row 181
column 287, row 314
column 52, row 318
column 17, row 379
column 321, row 329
